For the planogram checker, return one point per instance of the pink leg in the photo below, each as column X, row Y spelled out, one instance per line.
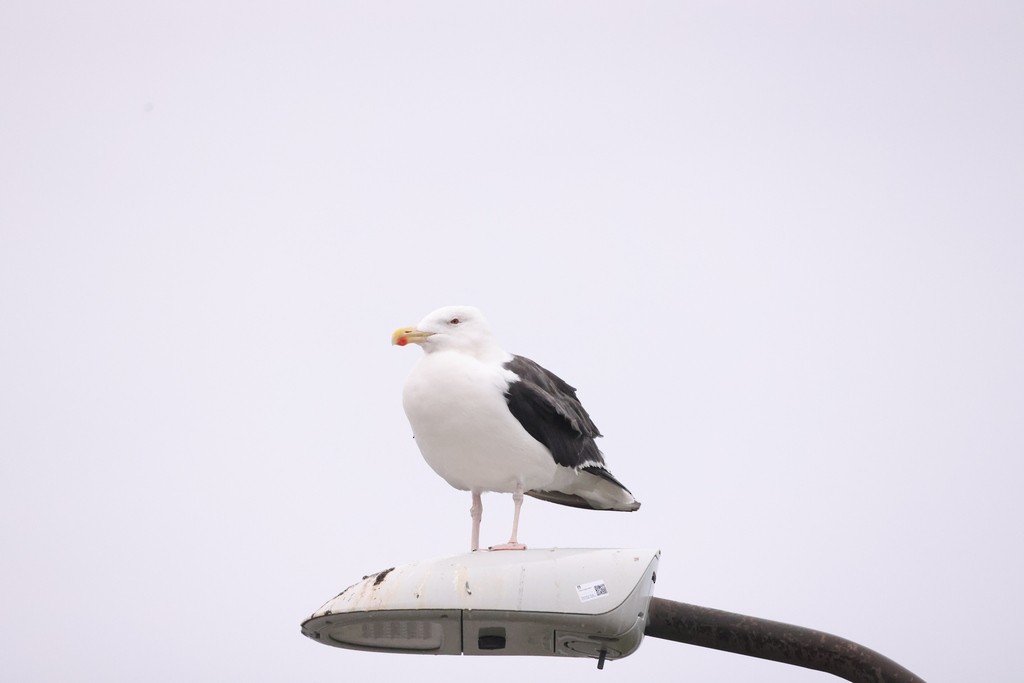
column 513, row 543
column 477, row 513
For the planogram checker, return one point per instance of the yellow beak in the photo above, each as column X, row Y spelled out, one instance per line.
column 404, row 335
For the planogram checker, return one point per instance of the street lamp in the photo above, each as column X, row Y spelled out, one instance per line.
column 589, row 602
column 556, row 602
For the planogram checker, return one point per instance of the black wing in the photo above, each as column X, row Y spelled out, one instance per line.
column 548, row 409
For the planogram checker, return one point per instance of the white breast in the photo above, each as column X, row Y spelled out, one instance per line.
column 463, row 427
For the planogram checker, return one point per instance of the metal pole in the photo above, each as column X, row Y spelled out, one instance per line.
column 773, row 640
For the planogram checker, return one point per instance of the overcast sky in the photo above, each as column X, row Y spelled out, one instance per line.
column 778, row 247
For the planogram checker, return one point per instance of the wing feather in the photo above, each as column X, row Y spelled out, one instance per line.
column 548, row 409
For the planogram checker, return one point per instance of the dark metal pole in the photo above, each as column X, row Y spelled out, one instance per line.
column 773, row 640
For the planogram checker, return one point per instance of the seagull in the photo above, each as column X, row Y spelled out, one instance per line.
column 487, row 420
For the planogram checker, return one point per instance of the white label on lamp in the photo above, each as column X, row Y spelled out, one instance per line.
column 592, row 591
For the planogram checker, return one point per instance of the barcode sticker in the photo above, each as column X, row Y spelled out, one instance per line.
column 592, row 591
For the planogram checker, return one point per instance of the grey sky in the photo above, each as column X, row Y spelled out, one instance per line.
column 777, row 247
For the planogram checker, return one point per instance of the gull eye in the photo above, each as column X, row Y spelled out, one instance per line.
column 454, row 321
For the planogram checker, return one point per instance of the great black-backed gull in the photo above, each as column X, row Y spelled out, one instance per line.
column 488, row 420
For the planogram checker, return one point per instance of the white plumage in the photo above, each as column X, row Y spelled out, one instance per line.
column 486, row 420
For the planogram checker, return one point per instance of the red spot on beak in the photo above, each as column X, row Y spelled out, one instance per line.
column 402, row 341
